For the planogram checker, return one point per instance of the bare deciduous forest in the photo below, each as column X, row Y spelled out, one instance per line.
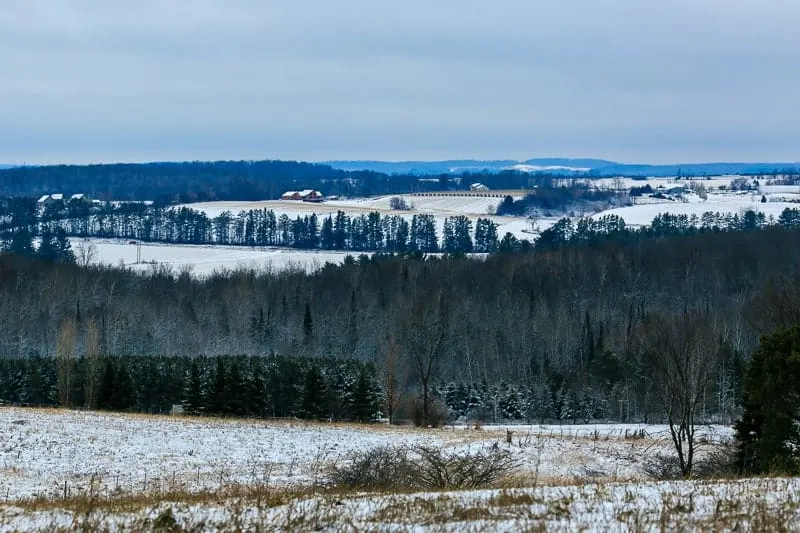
column 567, row 333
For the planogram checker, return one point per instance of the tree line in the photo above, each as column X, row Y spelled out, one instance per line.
column 367, row 232
column 218, row 386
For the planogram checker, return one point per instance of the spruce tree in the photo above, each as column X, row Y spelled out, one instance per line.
column 218, row 403
column 193, row 392
column 313, row 403
column 363, row 400
column 124, row 397
column 768, row 434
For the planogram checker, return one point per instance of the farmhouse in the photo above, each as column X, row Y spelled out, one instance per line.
column 307, row 195
column 478, row 187
column 310, row 195
column 291, row 195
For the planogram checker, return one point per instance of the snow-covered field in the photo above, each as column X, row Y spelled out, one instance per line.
column 742, row 505
column 572, row 478
column 440, row 207
column 40, row 450
column 204, row 259
column 642, row 214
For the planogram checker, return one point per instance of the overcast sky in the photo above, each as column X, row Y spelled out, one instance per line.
column 628, row 80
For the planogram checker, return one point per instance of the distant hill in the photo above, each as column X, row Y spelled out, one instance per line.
column 455, row 166
column 589, row 167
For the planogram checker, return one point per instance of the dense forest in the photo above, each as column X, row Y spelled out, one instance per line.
column 566, row 331
column 234, row 180
column 232, row 386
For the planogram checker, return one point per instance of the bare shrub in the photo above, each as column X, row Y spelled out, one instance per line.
column 398, row 203
column 439, row 470
column 663, row 467
column 438, row 414
column 421, row 467
column 720, row 462
column 383, row 468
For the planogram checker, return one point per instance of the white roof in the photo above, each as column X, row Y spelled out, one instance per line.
column 78, row 196
column 306, row 192
column 289, row 193
column 44, row 198
column 57, row 196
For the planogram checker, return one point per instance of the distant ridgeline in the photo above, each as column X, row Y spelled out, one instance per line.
column 567, row 167
column 257, row 180
column 166, row 183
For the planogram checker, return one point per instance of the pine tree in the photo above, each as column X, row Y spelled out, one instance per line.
column 218, row 403
column 313, row 403
column 768, row 434
column 308, row 324
column 48, row 248
column 21, row 243
column 105, row 397
column 124, row 397
column 363, row 401
column 63, row 248
column 193, row 403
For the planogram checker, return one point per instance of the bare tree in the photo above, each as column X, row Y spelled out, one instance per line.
column 393, row 378
column 683, row 363
column 93, row 364
column 65, row 355
column 85, row 253
column 427, row 332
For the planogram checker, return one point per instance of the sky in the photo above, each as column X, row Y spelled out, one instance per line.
column 635, row 81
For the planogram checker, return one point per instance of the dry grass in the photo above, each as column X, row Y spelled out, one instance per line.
column 744, row 505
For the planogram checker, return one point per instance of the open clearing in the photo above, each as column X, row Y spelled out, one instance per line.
column 205, row 259
column 224, row 474
column 40, row 450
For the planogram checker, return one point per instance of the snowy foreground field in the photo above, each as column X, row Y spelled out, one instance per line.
column 68, row 470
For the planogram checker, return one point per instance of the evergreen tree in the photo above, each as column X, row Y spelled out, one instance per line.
column 768, row 434
column 313, row 404
column 308, row 324
column 363, row 401
column 218, row 403
column 63, row 247
column 124, row 396
column 21, row 243
column 48, row 248
column 105, row 397
column 193, row 392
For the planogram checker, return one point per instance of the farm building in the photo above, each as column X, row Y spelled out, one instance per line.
column 307, row 195
column 478, row 187
column 311, row 196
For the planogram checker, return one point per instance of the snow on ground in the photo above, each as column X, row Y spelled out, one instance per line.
column 579, row 477
column 725, row 505
column 440, row 207
column 642, row 214
column 712, row 433
column 205, row 259
column 40, row 450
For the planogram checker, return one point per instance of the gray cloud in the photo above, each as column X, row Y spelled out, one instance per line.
column 633, row 80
